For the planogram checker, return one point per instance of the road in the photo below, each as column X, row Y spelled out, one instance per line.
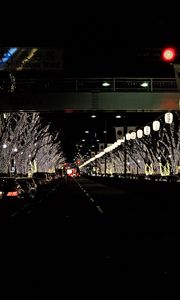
column 81, row 233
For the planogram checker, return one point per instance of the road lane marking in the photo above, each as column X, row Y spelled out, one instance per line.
column 91, row 199
column 14, row 214
column 100, row 209
column 26, row 205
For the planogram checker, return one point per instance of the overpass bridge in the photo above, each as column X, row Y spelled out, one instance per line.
column 56, row 93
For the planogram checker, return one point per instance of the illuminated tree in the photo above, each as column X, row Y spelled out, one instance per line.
column 24, row 141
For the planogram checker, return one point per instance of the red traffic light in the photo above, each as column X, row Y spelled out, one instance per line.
column 168, row 54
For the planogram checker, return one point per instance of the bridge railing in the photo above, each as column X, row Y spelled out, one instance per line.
column 59, row 84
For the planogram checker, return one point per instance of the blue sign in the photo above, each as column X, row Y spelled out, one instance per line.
column 7, row 55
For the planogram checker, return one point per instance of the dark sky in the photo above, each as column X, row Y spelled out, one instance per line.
column 106, row 39
column 110, row 42
column 128, row 24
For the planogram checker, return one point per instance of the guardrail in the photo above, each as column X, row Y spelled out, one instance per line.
column 59, row 84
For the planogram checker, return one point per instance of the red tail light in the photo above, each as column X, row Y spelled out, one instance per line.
column 12, row 194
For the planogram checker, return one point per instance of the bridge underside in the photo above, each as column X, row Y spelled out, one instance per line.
column 89, row 101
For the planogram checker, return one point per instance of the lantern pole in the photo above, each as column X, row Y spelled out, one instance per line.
column 125, row 150
column 105, row 145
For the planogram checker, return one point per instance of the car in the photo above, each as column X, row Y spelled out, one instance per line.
column 29, row 186
column 10, row 188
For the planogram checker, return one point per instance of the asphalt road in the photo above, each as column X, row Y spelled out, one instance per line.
column 81, row 234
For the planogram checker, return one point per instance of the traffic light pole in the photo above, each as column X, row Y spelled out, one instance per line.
column 177, row 75
column 169, row 55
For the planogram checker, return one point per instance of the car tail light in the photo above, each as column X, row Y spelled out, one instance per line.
column 12, row 194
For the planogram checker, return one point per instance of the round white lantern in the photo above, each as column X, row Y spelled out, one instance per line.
column 168, row 117
column 156, row 125
column 139, row 133
column 147, row 130
column 133, row 135
column 128, row 136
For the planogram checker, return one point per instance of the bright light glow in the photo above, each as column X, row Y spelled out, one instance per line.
column 139, row 133
column 133, row 135
column 149, row 169
column 118, row 117
column 144, row 84
column 164, row 170
column 99, row 154
column 4, row 146
column 122, row 140
column 169, row 54
column 156, row 125
column 147, row 130
column 106, row 84
column 69, row 171
column 168, row 118
column 93, row 116
column 128, row 136
column 118, row 142
column 12, row 194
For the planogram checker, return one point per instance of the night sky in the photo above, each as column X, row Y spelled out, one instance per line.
column 114, row 40
column 112, row 44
